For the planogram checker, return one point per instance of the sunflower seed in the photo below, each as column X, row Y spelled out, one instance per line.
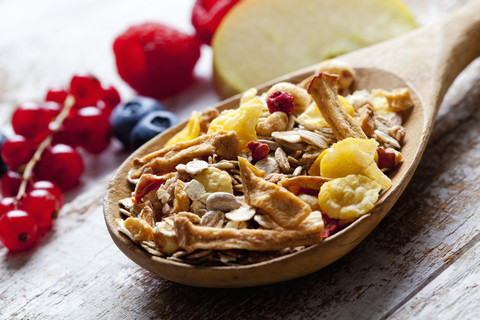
column 297, row 171
column 271, row 144
column 222, row 201
column 282, row 160
column 381, row 136
column 291, row 136
column 313, row 138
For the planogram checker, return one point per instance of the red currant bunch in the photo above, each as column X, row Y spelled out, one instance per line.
column 43, row 157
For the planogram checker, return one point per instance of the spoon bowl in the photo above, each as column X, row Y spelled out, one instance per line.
column 426, row 61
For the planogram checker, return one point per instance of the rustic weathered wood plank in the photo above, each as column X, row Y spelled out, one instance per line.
column 448, row 294
column 422, row 256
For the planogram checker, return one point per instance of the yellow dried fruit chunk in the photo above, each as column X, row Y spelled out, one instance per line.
column 353, row 156
column 242, row 120
column 215, row 180
column 315, row 168
column 312, row 118
column 349, row 197
column 190, row 132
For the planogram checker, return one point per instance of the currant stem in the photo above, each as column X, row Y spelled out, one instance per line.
column 54, row 126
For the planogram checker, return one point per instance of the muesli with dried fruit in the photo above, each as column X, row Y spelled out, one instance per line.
column 285, row 170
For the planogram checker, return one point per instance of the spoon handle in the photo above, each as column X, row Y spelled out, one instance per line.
column 459, row 43
column 429, row 58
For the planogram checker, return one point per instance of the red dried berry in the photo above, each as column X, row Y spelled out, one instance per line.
column 207, row 15
column 330, row 226
column 280, row 101
column 386, row 159
column 259, row 150
column 156, row 60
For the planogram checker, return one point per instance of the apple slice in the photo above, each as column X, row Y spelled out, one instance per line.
column 259, row 40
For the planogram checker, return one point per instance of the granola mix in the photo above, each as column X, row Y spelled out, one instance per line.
column 283, row 171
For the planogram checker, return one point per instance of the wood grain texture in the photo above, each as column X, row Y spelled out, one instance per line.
column 423, row 257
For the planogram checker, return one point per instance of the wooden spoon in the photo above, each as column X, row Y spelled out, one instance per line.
column 426, row 60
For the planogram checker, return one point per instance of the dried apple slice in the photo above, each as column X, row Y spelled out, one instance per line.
column 259, row 40
column 278, row 203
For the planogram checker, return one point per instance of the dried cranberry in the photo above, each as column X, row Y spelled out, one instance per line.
column 330, row 226
column 259, row 150
column 386, row 159
column 280, row 101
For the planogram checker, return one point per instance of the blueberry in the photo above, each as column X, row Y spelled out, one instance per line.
column 3, row 166
column 126, row 115
column 152, row 124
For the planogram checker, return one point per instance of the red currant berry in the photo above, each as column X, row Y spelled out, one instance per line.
column 94, row 129
column 11, row 183
column 31, row 121
column 57, row 94
column 50, row 187
column 68, row 134
column 61, row 165
column 110, row 96
column 17, row 151
column 41, row 205
column 18, row 230
column 7, row 204
column 53, row 108
column 280, row 101
column 86, row 89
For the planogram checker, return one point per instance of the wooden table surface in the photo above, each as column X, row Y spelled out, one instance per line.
column 421, row 262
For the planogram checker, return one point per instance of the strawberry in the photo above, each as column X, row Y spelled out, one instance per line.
column 207, row 15
column 156, row 60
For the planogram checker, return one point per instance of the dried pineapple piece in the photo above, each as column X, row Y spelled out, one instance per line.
column 312, row 117
column 190, row 132
column 139, row 229
column 353, row 156
column 242, row 120
column 349, row 197
column 315, row 168
column 215, row 180
column 386, row 102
